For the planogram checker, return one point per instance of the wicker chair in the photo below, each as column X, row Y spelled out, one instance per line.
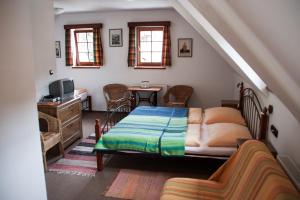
column 116, row 95
column 50, row 135
column 178, row 96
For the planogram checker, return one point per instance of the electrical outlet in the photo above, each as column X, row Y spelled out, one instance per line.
column 274, row 131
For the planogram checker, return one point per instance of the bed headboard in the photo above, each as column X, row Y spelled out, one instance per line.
column 255, row 115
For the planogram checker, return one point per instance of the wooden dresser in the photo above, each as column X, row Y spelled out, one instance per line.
column 69, row 114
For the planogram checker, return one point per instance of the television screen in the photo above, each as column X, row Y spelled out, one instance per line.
column 68, row 86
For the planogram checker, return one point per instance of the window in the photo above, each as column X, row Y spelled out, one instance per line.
column 83, row 46
column 149, row 45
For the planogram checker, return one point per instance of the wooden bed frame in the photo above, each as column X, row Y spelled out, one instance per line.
column 255, row 116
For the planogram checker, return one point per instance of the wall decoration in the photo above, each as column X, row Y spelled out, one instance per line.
column 57, row 49
column 115, row 38
column 185, row 47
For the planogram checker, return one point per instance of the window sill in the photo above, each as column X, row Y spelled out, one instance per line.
column 86, row 67
column 150, row 67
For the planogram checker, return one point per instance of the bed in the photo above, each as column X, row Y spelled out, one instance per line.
column 181, row 132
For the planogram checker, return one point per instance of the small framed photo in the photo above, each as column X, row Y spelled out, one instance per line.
column 115, row 38
column 185, row 47
column 57, row 49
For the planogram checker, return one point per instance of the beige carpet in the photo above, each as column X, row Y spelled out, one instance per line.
column 137, row 185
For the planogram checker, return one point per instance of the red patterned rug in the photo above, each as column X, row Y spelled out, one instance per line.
column 81, row 160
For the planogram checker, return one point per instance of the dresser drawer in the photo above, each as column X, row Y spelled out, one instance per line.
column 71, row 130
column 69, row 112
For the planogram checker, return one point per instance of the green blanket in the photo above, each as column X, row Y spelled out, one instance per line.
column 173, row 139
column 148, row 129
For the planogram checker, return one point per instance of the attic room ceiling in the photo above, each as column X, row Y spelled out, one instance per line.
column 71, row 6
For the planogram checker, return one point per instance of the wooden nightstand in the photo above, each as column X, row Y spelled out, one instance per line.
column 230, row 103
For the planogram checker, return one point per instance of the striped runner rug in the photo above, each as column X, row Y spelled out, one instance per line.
column 138, row 185
column 81, row 160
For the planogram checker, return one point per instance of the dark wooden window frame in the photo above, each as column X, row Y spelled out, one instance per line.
column 147, row 24
column 147, row 64
column 78, row 63
column 78, row 26
column 81, row 27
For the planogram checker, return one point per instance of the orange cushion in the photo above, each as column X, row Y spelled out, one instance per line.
column 195, row 116
column 226, row 134
column 223, row 115
column 192, row 138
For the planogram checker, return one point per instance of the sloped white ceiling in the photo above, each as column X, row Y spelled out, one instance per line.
column 264, row 33
column 277, row 24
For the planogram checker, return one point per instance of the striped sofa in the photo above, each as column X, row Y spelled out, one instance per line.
column 250, row 173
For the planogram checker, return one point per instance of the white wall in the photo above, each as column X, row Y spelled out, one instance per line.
column 44, row 54
column 21, row 169
column 209, row 75
column 288, row 127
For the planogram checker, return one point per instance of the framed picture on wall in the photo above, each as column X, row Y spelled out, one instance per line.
column 115, row 38
column 185, row 47
column 57, row 49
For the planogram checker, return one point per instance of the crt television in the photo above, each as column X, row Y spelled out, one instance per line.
column 63, row 88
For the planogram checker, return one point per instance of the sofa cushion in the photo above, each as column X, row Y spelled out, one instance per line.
column 251, row 173
column 190, row 189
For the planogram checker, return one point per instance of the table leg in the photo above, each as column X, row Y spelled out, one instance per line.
column 133, row 99
column 90, row 102
column 155, row 99
column 150, row 99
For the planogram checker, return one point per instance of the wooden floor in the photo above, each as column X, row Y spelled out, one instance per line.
column 74, row 187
